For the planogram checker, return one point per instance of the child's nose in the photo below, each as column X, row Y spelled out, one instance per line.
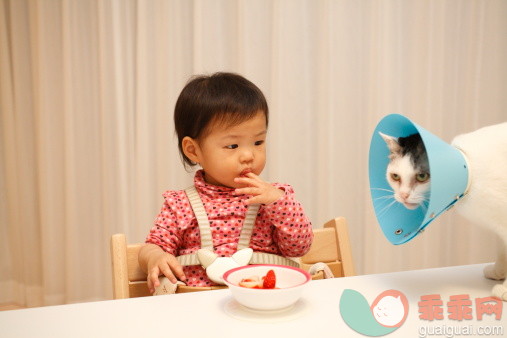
column 247, row 155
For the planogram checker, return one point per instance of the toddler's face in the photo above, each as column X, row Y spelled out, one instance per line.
column 227, row 153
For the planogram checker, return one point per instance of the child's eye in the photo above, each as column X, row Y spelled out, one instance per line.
column 258, row 143
column 232, row 146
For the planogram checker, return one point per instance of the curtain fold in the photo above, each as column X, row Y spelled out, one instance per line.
column 87, row 92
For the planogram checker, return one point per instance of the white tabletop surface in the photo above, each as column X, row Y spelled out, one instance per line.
column 204, row 313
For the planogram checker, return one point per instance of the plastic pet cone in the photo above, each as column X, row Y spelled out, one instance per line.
column 448, row 180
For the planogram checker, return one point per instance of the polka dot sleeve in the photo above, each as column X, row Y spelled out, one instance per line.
column 293, row 230
column 165, row 232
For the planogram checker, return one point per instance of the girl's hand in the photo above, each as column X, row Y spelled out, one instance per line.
column 163, row 263
column 262, row 192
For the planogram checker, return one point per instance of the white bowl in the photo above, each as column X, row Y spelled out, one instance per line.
column 290, row 283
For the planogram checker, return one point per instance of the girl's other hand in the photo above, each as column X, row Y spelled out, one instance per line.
column 163, row 263
column 262, row 192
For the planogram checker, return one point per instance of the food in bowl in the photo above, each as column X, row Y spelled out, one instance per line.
column 290, row 283
column 256, row 282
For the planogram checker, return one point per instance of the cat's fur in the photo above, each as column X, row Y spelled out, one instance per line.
column 408, row 163
column 486, row 201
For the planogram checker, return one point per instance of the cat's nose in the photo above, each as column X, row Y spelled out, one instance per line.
column 404, row 195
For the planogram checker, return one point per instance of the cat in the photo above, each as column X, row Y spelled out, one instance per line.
column 409, row 176
column 408, row 171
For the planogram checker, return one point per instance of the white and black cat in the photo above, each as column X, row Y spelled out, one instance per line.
column 409, row 176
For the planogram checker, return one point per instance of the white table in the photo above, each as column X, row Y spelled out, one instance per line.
column 203, row 313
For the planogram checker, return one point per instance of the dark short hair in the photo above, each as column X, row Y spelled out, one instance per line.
column 219, row 98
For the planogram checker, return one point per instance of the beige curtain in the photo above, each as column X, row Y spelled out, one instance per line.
column 87, row 90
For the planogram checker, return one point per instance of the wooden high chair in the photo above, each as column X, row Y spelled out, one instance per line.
column 330, row 245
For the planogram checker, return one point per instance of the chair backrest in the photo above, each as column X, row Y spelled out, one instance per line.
column 331, row 245
column 128, row 279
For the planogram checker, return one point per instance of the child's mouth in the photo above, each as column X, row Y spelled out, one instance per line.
column 245, row 173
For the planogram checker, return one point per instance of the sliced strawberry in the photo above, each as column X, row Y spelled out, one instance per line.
column 252, row 282
column 269, row 280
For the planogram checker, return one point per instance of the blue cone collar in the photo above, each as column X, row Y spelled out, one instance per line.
column 448, row 180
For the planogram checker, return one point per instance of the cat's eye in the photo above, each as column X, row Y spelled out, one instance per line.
column 395, row 177
column 422, row 177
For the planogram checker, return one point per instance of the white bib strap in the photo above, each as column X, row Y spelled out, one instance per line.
column 244, row 239
column 202, row 217
column 257, row 258
column 189, row 259
column 248, row 225
column 267, row 258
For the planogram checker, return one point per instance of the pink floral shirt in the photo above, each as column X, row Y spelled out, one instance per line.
column 281, row 227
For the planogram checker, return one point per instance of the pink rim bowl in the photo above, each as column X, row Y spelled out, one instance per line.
column 290, row 283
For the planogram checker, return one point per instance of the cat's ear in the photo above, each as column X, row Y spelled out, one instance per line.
column 392, row 143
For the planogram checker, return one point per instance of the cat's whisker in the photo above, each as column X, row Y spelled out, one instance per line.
column 423, row 206
column 382, row 189
column 383, row 197
column 382, row 204
column 380, row 201
column 384, row 210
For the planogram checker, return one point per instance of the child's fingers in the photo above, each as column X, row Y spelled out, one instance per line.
column 152, row 280
column 252, row 175
column 244, row 181
column 177, row 269
column 254, row 200
column 248, row 191
column 252, row 180
column 166, row 270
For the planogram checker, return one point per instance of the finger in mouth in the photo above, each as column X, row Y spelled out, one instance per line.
column 245, row 173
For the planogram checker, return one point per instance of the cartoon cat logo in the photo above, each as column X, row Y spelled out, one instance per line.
column 388, row 308
column 385, row 315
